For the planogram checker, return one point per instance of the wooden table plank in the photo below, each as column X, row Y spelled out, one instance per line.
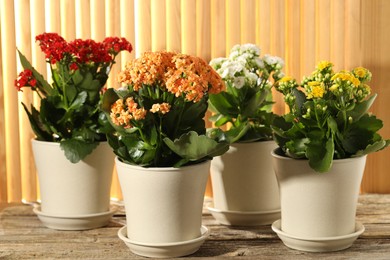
column 22, row 236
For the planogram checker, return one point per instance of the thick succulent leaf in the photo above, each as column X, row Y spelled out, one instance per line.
column 46, row 88
column 224, row 103
column 194, row 147
column 254, row 104
column 372, row 148
column 361, row 108
column 76, row 150
column 109, row 97
column 36, row 124
column 320, row 154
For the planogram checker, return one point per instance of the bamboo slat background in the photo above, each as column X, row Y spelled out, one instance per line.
column 347, row 32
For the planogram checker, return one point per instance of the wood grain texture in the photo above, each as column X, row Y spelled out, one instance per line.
column 24, row 237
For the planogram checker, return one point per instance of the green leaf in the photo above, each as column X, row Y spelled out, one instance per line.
column 194, row 147
column 36, row 124
column 361, row 108
column 43, row 85
column 254, row 104
column 76, row 150
column 236, row 133
column 79, row 101
column 320, row 154
column 224, row 103
column 109, row 97
column 371, row 148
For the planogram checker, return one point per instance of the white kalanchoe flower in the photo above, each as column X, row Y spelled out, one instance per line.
column 239, row 82
column 270, row 60
column 217, row 62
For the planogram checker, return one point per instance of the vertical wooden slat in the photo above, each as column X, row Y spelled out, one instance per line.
column 203, row 29
column 68, row 25
column 38, row 60
column 158, row 16
column 11, row 103
column 188, row 27
column 143, row 25
column 375, row 21
column 83, row 19
column 127, row 27
column 53, row 15
column 277, row 48
column 173, row 25
column 308, row 50
column 248, row 27
column 218, row 28
column 98, row 20
column 113, row 24
column 337, row 33
column 3, row 168
column 113, row 29
column 292, row 55
column 352, row 47
column 323, row 13
column 263, row 25
column 233, row 23
column 26, row 134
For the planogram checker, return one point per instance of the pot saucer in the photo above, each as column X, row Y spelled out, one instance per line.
column 244, row 218
column 79, row 222
column 164, row 250
column 318, row 244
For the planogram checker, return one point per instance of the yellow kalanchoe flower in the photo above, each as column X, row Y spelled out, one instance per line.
column 323, row 65
column 317, row 90
column 346, row 76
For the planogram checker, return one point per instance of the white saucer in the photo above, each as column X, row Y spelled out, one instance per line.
column 244, row 218
column 318, row 244
column 164, row 250
column 81, row 222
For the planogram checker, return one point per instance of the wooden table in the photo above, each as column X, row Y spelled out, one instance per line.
column 22, row 236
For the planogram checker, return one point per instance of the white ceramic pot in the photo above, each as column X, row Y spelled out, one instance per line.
column 318, row 205
column 244, row 182
column 163, row 205
column 68, row 189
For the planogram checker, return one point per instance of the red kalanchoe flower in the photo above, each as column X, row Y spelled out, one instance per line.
column 115, row 44
column 87, row 51
column 73, row 66
column 25, row 79
column 53, row 45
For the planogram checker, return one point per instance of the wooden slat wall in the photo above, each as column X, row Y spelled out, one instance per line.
column 347, row 32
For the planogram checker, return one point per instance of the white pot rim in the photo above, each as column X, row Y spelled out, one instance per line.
column 251, row 143
column 34, row 140
column 286, row 158
column 157, row 169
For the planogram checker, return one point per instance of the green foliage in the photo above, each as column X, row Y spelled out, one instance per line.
column 245, row 106
column 328, row 117
column 172, row 139
column 69, row 110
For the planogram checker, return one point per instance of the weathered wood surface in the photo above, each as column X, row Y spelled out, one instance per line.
column 22, row 236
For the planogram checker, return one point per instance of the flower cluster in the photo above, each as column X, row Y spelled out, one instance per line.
column 246, row 103
column 328, row 116
column 69, row 110
column 81, row 51
column 25, row 78
column 244, row 66
column 159, row 113
column 180, row 74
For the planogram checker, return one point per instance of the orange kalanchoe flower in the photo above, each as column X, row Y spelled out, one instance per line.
column 180, row 74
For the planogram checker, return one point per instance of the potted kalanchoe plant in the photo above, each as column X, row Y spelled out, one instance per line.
column 163, row 150
column 70, row 148
column 323, row 142
column 245, row 190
